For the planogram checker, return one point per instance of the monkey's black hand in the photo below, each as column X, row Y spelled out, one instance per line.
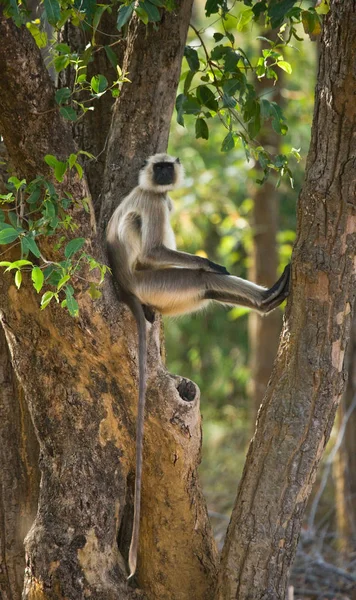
column 215, row 268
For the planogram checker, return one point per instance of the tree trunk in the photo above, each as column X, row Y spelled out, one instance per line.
column 299, row 407
column 345, row 463
column 19, row 477
column 264, row 333
column 82, row 386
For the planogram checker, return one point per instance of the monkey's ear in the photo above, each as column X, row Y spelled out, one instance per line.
column 178, row 161
column 145, row 163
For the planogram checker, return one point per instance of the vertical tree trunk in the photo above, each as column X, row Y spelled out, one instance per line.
column 345, row 463
column 264, row 333
column 19, row 477
column 299, row 407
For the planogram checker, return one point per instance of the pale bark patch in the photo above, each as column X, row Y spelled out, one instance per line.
column 337, row 355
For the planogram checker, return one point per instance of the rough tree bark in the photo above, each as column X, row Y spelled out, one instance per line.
column 19, row 472
column 19, row 479
column 345, row 463
column 81, row 388
column 298, row 411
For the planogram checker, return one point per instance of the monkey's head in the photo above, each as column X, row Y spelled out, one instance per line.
column 161, row 173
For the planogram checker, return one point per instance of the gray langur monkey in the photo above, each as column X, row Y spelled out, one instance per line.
column 151, row 274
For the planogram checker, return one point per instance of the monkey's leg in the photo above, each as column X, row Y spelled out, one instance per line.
column 244, row 293
column 171, row 291
column 176, row 291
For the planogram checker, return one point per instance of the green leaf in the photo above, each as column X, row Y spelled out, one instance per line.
column 79, row 169
column 61, row 62
column 39, row 36
column 323, row 7
column 231, row 61
column 218, row 37
column 29, row 245
column 18, row 279
column 188, row 81
column 32, row 199
column 62, row 281
column 192, row 58
column 228, row 142
column 62, row 95
column 231, row 86
column 5, row 263
column 153, row 13
column 311, row 22
column 211, row 7
column 50, row 160
column 111, row 56
column 180, row 108
column 18, row 264
column 8, row 235
column 59, row 170
column 13, row 219
column 85, row 153
column 282, row 64
column 53, row 11
column 244, row 18
column 96, row 19
column 73, row 246
column 206, row 97
column 46, row 299
column 37, row 278
column 63, row 48
column 72, row 304
column 124, row 14
column 16, row 182
column 72, row 160
column 278, row 9
column 58, row 166
column 201, row 129
column 98, row 84
column 140, row 11
column 259, row 8
column 7, row 198
column 94, row 293
column 68, row 113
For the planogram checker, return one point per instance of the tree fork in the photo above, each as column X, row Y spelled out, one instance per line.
column 80, row 377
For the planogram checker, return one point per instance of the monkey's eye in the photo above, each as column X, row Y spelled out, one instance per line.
column 178, row 161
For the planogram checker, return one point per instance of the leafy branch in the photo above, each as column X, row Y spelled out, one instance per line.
column 32, row 211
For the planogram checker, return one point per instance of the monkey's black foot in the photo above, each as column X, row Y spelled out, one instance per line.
column 149, row 313
column 278, row 292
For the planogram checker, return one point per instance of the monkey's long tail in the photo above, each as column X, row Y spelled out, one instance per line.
column 138, row 313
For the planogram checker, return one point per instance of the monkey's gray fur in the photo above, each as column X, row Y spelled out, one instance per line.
column 151, row 274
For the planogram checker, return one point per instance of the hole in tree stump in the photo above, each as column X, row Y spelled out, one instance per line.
column 187, row 390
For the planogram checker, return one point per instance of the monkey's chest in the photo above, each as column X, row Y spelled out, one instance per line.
column 169, row 239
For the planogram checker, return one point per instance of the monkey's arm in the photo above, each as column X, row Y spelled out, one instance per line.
column 157, row 255
column 161, row 256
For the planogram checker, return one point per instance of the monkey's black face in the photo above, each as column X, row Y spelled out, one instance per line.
column 163, row 173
